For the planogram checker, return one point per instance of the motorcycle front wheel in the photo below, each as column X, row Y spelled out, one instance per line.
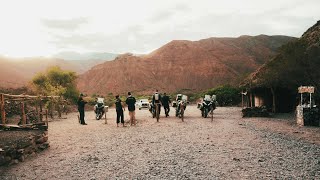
column 153, row 114
column 182, row 114
column 205, row 113
column 98, row 116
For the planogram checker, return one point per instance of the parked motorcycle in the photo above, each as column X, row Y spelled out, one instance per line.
column 180, row 104
column 208, row 105
column 99, row 108
column 152, row 109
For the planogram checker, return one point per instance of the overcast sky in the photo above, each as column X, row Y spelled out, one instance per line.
column 45, row 27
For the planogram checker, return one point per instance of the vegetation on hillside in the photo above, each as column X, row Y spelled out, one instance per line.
column 226, row 95
column 297, row 64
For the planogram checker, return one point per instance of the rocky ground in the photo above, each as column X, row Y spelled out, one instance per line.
column 230, row 147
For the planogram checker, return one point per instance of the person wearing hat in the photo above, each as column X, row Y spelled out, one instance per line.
column 81, row 104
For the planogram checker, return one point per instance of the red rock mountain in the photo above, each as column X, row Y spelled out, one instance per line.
column 178, row 65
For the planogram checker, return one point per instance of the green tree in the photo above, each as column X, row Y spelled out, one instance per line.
column 56, row 81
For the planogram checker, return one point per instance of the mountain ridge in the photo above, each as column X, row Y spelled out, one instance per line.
column 182, row 64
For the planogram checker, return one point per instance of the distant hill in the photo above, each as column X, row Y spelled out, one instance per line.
column 70, row 55
column 16, row 72
column 180, row 64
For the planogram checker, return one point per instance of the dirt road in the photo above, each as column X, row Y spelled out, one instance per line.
column 227, row 148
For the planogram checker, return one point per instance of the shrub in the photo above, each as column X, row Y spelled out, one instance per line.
column 311, row 117
column 226, row 95
column 56, row 81
column 255, row 112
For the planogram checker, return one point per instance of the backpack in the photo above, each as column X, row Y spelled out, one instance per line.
column 156, row 97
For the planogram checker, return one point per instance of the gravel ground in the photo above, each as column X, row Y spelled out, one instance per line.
column 230, row 147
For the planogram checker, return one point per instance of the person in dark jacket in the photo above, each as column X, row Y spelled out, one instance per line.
column 165, row 102
column 119, row 109
column 81, row 104
column 131, row 101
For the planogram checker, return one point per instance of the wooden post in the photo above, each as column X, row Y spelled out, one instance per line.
column 242, row 99
column 51, row 108
column 105, row 117
column 37, row 110
column 58, row 108
column 273, row 100
column 47, row 118
column 310, row 101
column 40, row 106
column 3, row 112
column 250, row 98
column 23, row 114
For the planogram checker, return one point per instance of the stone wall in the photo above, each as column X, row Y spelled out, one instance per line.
column 17, row 143
column 299, row 116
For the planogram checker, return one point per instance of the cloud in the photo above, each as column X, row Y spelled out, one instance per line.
column 138, row 39
column 161, row 16
column 67, row 25
column 141, row 26
column 124, row 41
column 182, row 7
column 169, row 13
column 133, row 39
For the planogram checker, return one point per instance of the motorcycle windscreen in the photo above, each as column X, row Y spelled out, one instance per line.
column 100, row 100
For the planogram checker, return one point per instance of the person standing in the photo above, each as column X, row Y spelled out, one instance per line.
column 81, row 104
column 130, row 101
column 119, row 110
column 165, row 102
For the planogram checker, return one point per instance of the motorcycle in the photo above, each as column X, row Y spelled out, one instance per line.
column 181, row 107
column 99, row 108
column 207, row 105
column 152, row 109
column 180, row 104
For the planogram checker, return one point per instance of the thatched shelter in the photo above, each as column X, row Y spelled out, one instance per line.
column 275, row 84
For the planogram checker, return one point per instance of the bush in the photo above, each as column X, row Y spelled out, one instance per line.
column 311, row 117
column 226, row 95
column 57, row 82
column 255, row 112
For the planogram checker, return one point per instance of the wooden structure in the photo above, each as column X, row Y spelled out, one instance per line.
column 24, row 99
column 276, row 100
column 305, row 103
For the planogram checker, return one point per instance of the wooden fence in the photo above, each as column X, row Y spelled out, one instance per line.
column 23, row 99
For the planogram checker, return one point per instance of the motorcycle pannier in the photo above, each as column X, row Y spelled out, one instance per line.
column 156, row 97
column 174, row 104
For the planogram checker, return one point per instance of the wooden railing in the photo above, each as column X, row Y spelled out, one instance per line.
column 23, row 99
